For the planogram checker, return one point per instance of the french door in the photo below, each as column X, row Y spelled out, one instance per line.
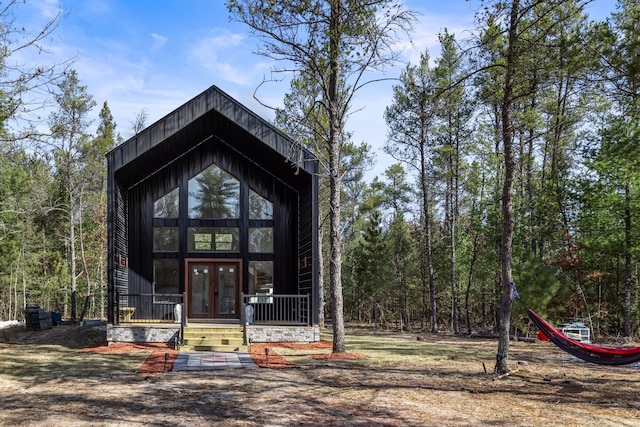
column 213, row 288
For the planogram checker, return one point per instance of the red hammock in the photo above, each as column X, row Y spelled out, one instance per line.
column 588, row 352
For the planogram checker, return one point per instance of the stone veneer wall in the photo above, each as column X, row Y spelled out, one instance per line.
column 168, row 333
column 142, row 334
column 300, row 334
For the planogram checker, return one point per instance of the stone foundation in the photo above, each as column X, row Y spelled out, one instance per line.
column 142, row 334
column 169, row 332
column 298, row 334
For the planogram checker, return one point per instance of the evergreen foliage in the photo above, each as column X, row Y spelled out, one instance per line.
column 421, row 245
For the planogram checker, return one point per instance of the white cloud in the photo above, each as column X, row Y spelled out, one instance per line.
column 48, row 9
column 425, row 35
column 227, row 57
column 158, row 41
column 208, row 48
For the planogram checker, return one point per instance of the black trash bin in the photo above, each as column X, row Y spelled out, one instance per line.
column 56, row 318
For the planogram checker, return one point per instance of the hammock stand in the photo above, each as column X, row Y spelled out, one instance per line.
column 587, row 352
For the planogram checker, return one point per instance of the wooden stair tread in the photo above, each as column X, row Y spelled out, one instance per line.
column 213, row 338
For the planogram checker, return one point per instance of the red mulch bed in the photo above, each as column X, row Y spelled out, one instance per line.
column 155, row 362
column 275, row 361
column 162, row 355
column 278, row 362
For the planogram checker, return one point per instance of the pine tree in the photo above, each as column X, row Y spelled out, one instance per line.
column 331, row 42
column 411, row 121
column 69, row 125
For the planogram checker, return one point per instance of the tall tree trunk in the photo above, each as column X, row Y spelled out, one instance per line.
column 321, row 270
column 83, row 256
column 451, row 196
column 24, row 292
column 472, row 264
column 15, row 285
column 72, row 260
column 335, row 133
column 504, row 314
column 426, row 213
column 335, row 267
column 628, row 282
column 8, row 308
column 474, row 256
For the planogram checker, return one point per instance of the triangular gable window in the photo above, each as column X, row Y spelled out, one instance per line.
column 167, row 206
column 259, row 207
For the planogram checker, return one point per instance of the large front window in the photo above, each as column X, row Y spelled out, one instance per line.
column 206, row 219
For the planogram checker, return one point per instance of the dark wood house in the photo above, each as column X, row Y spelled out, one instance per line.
column 211, row 210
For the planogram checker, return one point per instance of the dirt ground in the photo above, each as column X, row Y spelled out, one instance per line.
column 65, row 376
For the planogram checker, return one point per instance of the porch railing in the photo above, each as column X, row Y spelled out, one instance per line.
column 269, row 309
column 149, row 308
column 259, row 309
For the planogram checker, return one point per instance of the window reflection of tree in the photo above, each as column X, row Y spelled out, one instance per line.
column 261, row 240
column 214, row 194
column 259, row 207
column 165, row 239
column 167, row 206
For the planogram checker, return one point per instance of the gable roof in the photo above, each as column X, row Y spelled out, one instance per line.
column 211, row 115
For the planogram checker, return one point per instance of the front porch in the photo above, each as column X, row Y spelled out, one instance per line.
column 153, row 318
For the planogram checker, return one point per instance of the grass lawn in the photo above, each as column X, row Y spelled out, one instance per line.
column 396, row 380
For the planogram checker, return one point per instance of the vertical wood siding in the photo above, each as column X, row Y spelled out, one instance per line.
column 286, row 212
column 211, row 128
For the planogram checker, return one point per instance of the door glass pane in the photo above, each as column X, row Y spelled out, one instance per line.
column 200, row 289
column 227, row 289
column 214, row 194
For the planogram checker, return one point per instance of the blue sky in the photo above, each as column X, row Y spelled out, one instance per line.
column 158, row 54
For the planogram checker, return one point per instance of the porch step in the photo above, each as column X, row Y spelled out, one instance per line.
column 213, row 338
